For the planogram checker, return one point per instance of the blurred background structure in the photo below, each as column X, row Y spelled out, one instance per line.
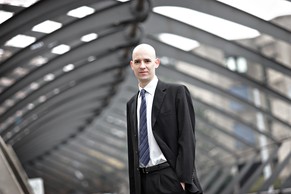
column 65, row 80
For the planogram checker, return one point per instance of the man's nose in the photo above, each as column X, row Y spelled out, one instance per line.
column 142, row 65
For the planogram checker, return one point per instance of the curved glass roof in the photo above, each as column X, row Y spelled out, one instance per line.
column 65, row 80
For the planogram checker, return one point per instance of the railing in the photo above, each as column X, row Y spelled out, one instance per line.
column 276, row 191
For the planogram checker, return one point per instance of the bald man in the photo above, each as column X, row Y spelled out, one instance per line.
column 161, row 132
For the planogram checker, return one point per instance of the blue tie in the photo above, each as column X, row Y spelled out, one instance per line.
column 144, row 151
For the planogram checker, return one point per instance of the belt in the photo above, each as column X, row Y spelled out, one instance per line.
column 154, row 168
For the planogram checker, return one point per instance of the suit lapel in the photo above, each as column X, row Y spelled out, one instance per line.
column 133, row 112
column 158, row 101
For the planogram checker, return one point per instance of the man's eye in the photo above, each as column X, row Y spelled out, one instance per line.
column 147, row 61
column 136, row 62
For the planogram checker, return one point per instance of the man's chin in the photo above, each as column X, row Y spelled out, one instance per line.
column 144, row 81
column 144, row 78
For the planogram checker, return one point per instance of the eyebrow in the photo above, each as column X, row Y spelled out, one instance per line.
column 145, row 59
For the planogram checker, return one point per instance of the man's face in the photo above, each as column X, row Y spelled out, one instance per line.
column 143, row 65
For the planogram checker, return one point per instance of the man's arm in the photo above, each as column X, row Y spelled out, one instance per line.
column 186, row 139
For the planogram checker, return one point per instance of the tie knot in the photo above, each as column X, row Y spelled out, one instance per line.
column 142, row 92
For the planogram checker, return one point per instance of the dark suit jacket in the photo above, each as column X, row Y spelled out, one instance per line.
column 173, row 125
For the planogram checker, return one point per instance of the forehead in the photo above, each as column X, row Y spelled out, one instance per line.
column 143, row 52
column 141, row 56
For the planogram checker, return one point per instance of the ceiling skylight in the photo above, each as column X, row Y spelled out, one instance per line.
column 68, row 67
column 38, row 61
column 49, row 77
column 20, row 71
column 180, row 42
column 1, row 52
column 9, row 102
column 89, row 37
column 4, row 81
column 20, row 41
column 264, row 9
column 21, row 3
column 20, row 95
column 30, row 106
column 61, row 49
column 42, row 99
column 47, row 26
column 34, row 86
column 81, row 12
column 5, row 15
column 220, row 27
column 2, row 110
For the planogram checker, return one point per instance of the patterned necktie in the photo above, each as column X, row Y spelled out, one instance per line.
column 144, row 152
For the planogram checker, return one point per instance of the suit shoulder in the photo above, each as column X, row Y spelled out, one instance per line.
column 131, row 99
column 175, row 86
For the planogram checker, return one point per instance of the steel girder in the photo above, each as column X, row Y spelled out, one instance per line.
column 93, row 123
column 100, row 46
column 64, row 109
column 87, row 70
column 37, row 13
column 246, row 187
column 199, row 83
column 227, row 12
column 165, row 24
column 118, row 14
column 268, row 182
column 170, row 51
column 235, row 118
column 238, row 177
column 81, row 74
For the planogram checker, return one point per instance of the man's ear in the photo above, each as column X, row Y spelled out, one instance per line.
column 131, row 63
column 157, row 62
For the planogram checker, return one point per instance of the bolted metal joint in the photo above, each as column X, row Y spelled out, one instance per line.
column 141, row 9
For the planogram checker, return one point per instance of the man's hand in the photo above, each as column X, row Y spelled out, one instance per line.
column 183, row 185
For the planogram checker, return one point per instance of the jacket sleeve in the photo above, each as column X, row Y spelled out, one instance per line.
column 186, row 138
column 134, row 177
column 130, row 151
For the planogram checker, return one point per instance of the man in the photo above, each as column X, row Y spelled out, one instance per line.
column 161, row 136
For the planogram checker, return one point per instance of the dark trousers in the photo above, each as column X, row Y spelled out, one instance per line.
column 164, row 181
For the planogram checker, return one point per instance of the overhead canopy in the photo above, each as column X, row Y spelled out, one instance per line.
column 65, row 81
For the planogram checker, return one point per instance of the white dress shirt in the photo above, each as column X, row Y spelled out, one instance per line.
column 156, row 155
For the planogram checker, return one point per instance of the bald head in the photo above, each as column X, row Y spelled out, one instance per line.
column 144, row 63
column 144, row 48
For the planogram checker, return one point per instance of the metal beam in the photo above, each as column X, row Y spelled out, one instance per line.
column 276, row 172
column 227, row 12
column 174, row 73
column 217, row 184
column 99, row 46
column 119, row 14
column 96, row 68
column 236, row 179
column 164, row 24
column 67, row 92
column 226, row 132
column 206, row 182
column 235, row 118
column 35, row 14
column 245, row 188
column 196, row 60
column 217, row 144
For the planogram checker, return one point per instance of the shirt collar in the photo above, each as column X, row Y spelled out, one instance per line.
column 151, row 86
